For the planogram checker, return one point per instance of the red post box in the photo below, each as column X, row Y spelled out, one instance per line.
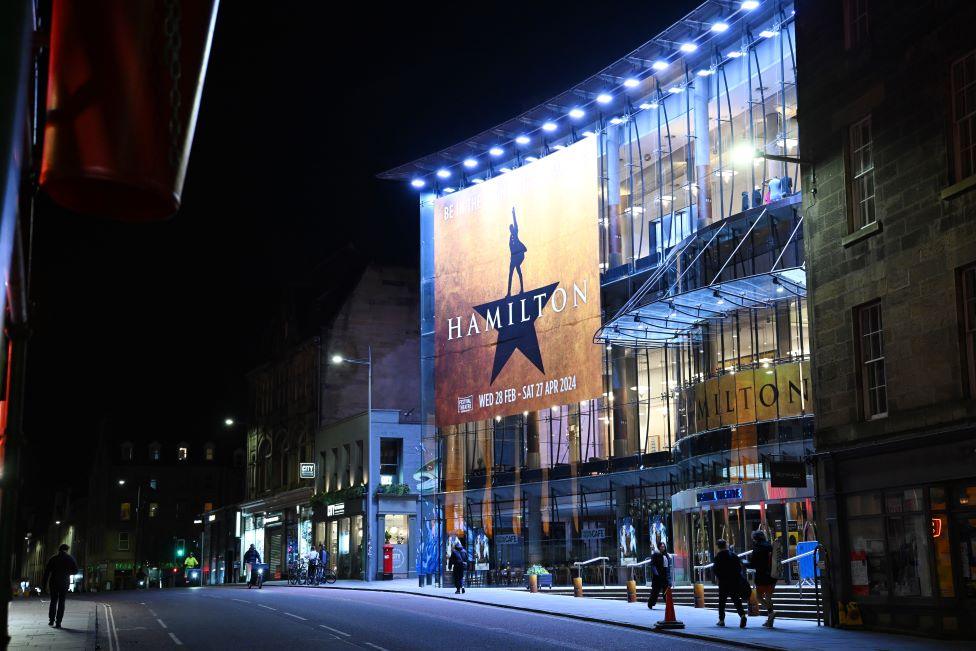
column 387, row 562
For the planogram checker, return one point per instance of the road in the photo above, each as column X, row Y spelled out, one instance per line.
column 233, row 617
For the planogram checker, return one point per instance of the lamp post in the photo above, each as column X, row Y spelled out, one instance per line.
column 368, row 363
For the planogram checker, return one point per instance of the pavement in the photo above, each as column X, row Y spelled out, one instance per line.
column 699, row 623
column 29, row 630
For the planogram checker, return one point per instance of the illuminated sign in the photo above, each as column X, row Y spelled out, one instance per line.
column 936, row 527
column 335, row 509
column 506, row 539
column 211, row 517
column 593, row 534
column 306, row 470
column 720, row 495
column 517, row 290
column 271, row 519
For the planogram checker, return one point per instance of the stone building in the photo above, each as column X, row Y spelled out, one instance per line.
column 888, row 136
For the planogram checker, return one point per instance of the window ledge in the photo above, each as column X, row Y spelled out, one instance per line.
column 861, row 234
column 956, row 189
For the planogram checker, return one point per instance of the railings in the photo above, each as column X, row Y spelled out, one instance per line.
column 603, row 562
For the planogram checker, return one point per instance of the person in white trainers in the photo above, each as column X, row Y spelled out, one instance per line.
column 728, row 571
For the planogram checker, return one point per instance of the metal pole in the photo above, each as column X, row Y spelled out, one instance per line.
column 369, row 435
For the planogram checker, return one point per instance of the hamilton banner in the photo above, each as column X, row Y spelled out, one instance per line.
column 517, row 290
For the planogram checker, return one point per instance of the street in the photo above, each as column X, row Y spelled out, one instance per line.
column 278, row 617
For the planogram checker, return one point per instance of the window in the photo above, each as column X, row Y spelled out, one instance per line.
column 861, row 174
column 348, row 467
column 964, row 115
column 335, row 469
column 968, row 325
column 207, row 506
column 390, row 460
column 208, row 452
column 153, row 509
column 855, row 23
column 126, row 451
column 360, row 458
column 154, row 451
column 123, row 545
column 153, row 484
column 182, row 452
column 871, row 362
column 125, row 510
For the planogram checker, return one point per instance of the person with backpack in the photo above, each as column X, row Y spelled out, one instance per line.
column 729, row 573
column 767, row 567
column 660, row 574
column 458, row 563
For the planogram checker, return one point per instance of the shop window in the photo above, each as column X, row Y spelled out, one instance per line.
column 154, row 451
column 153, row 509
column 390, row 460
column 908, row 554
column 860, row 174
column 123, row 542
column 964, row 116
column 968, row 326
column 182, row 452
column 127, row 451
column 871, row 360
column 966, row 496
column 398, row 529
column 125, row 511
column 855, row 23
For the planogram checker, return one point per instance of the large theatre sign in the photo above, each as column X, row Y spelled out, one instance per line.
column 517, row 290
column 749, row 396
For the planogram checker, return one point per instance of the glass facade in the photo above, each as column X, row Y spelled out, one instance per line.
column 681, row 210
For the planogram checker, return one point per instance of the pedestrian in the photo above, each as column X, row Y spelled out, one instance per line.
column 252, row 557
column 728, row 571
column 660, row 573
column 323, row 560
column 57, row 577
column 761, row 560
column 458, row 563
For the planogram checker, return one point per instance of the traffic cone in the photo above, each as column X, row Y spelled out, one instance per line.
column 670, row 619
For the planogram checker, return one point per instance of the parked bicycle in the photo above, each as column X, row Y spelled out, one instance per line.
column 297, row 573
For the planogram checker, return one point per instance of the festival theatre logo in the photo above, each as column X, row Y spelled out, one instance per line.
column 514, row 316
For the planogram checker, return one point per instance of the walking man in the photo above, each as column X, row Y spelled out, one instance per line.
column 57, row 577
column 761, row 560
column 660, row 574
column 728, row 572
column 457, row 564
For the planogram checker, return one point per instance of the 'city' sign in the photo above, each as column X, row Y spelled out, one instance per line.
column 335, row 509
column 306, row 470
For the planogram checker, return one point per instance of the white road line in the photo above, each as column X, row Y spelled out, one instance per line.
column 176, row 639
column 296, row 617
column 113, row 632
column 268, row 607
column 161, row 623
column 375, row 646
column 243, row 601
column 334, row 630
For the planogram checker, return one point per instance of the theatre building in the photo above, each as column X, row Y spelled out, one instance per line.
column 892, row 247
column 614, row 332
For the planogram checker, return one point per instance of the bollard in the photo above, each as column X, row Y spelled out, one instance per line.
column 699, row 595
column 533, row 583
column 631, row 591
column 578, row 586
column 753, row 604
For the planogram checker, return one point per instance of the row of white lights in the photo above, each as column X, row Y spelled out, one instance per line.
column 577, row 113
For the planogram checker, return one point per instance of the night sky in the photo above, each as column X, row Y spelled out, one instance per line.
column 155, row 325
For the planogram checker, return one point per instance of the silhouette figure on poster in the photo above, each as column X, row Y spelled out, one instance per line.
column 518, row 250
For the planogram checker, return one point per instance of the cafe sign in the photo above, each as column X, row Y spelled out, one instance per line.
column 749, row 396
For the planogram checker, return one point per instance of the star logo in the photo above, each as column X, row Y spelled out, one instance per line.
column 523, row 309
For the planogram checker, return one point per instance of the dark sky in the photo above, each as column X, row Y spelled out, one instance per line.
column 304, row 103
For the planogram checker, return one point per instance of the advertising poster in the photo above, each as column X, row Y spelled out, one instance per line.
column 658, row 530
column 627, row 541
column 517, row 290
column 481, row 553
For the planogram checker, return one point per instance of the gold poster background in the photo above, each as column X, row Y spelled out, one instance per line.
column 557, row 206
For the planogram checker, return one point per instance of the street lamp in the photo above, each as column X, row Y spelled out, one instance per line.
column 368, row 363
column 229, row 422
column 121, row 482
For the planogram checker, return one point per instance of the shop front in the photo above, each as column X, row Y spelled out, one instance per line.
column 341, row 531
column 396, row 521
column 279, row 527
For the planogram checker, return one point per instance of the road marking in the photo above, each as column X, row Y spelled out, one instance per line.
column 296, row 617
column 243, row 601
column 110, row 629
column 268, row 607
column 176, row 639
column 161, row 623
column 334, row 630
column 375, row 646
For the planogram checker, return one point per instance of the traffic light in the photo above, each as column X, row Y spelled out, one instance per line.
column 180, row 547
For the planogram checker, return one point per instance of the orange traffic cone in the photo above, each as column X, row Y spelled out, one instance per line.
column 670, row 619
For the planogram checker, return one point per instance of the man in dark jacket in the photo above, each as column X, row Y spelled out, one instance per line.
column 660, row 573
column 457, row 564
column 728, row 572
column 57, row 577
column 761, row 560
column 252, row 556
